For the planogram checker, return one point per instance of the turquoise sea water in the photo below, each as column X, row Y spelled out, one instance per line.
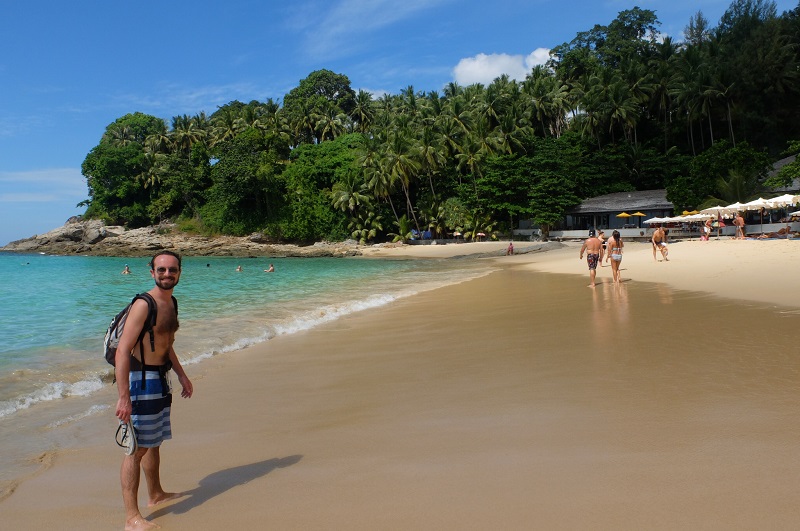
column 54, row 310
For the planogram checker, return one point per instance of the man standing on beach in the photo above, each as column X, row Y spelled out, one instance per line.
column 659, row 241
column 148, row 404
column 592, row 247
column 738, row 221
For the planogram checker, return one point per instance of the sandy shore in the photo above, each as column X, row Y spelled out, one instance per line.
column 520, row 400
column 753, row 270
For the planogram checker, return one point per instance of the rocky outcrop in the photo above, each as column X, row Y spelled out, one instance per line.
column 95, row 238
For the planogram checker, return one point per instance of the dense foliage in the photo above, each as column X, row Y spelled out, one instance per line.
column 616, row 109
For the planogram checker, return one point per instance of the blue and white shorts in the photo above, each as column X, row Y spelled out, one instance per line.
column 151, row 407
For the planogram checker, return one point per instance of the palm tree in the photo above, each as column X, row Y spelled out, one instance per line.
column 185, row 133
column 349, row 194
column 430, row 153
column 663, row 80
column 119, row 135
column 363, row 113
column 153, row 169
column 401, row 166
column 375, row 177
column 225, row 125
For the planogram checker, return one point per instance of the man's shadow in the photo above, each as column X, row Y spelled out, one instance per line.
column 224, row 480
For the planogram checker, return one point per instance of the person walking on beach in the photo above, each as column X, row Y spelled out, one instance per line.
column 602, row 237
column 592, row 247
column 738, row 221
column 659, row 241
column 147, row 405
column 615, row 254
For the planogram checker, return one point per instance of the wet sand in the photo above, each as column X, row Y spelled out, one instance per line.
column 520, row 400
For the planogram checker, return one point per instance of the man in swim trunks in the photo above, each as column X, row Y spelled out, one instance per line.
column 738, row 221
column 659, row 241
column 592, row 247
column 148, row 405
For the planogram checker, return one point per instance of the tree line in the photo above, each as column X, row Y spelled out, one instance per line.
column 618, row 108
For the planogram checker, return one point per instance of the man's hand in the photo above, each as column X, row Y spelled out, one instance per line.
column 186, row 386
column 124, row 409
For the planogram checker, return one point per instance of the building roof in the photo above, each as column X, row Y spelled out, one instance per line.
column 625, row 202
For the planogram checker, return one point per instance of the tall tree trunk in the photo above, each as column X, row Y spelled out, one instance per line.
column 710, row 129
column 730, row 124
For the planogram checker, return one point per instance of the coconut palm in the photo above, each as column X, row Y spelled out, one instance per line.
column 363, row 113
column 400, row 164
column 225, row 125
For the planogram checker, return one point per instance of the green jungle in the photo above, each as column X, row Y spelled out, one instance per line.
column 618, row 108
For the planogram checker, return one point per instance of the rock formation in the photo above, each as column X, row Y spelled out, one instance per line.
column 95, row 238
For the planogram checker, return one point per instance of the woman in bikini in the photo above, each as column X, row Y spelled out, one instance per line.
column 615, row 246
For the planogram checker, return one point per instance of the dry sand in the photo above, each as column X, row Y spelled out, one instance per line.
column 520, row 400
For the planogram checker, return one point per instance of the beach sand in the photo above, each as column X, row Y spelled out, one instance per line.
column 519, row 400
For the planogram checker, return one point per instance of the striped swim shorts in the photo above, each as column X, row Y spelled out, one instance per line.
column 151, row 406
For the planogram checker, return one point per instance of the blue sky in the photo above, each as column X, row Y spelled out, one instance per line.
column 68, row 69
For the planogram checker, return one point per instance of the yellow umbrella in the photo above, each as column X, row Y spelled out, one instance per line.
column 688, row 213
column 638, row 214
column 623, row 215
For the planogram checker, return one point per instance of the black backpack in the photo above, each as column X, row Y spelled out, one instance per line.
column 117, row 325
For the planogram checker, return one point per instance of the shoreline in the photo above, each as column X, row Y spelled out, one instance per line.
column 376, row 421
column 751, row 270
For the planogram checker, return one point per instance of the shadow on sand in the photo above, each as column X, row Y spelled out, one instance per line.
column 223, row 481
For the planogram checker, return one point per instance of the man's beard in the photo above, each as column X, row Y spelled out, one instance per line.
column 167, row 283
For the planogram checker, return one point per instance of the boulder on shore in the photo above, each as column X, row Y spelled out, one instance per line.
column 94, row 238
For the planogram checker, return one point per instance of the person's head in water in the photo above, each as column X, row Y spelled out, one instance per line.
column 165, row 267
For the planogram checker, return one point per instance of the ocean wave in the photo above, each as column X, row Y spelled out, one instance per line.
column 78, row 416
column 304, row 321
column 49, row 392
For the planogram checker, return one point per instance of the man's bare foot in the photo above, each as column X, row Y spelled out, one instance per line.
column 590, row 286
column 165, row 497
column 139, row 524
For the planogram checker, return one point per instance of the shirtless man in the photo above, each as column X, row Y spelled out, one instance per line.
column 149, row 408
column 659, row 241
column 592, row 247
column 738, row 221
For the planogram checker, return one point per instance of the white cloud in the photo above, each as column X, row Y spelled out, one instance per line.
column 177, row 99
column 47, row 185
column 329, row 33
column 484, row 68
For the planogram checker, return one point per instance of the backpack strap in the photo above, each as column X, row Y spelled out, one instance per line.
column 149, row 324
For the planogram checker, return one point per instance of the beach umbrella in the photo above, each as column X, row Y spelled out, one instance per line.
column 717, row 210
column 783, row 201
column 623, row 215
column 654, row 220
column 758, row 204
column 640, row 216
